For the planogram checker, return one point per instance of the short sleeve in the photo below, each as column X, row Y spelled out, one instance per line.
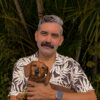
column 18, row 79
column 80, row 82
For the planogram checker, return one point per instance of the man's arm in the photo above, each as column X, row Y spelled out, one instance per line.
column 71, row 95
column 90, row 95
column 18, row 80
column 39, row 91
column 13, row 98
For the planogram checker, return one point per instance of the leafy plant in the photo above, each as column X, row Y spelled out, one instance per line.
column 81, row 34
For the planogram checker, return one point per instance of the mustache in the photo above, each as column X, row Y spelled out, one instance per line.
column 47, row 44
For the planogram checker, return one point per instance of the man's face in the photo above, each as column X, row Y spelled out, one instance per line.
column 48, row 38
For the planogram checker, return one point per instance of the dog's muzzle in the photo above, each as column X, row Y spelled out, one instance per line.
column 36, row 72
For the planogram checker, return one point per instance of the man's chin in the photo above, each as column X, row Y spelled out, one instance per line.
column 47, row 53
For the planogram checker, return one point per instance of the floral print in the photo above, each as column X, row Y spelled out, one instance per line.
column 65, row 72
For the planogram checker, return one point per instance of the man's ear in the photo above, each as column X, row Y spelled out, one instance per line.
column 61, row 40
column 36, row 35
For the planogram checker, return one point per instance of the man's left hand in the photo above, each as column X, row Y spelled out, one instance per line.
column 38, row 91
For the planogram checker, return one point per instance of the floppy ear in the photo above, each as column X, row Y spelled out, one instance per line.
column 27, row 70
column 47, row 77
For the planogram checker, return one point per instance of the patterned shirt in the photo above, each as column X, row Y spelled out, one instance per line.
column 65, row 72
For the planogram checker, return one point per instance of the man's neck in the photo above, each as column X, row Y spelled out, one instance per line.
column 46, row 57
column 48, row 60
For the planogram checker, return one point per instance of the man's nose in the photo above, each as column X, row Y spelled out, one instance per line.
column 49, row 38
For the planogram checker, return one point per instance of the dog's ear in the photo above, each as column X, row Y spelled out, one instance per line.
column 27, row 70
column 47, row 77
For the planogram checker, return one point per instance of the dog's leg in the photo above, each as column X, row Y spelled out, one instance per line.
column 21, row 96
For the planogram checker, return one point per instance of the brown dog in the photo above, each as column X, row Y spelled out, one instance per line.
column 37, row 72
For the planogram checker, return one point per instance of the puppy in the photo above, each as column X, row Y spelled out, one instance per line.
column 38, row 72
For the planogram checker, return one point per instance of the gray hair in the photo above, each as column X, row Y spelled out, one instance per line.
column 51, row 18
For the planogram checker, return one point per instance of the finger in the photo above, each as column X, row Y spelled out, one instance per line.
column 30, row 94
column 31, row 83
column 30, row 89
column 33, row 98
column 30, row 98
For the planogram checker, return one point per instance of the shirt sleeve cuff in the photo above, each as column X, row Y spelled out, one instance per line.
column 14, row 93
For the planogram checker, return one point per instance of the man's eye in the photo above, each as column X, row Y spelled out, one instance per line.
column 43, row 33
column 55, row 35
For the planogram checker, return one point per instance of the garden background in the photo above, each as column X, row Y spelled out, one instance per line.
column 18, row 22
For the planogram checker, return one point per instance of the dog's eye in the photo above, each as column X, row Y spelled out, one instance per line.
column 34, row 65
column 42, row 67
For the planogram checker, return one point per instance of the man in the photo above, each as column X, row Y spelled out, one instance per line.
column 65, row 71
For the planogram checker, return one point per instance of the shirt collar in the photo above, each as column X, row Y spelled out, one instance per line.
column 59, row 58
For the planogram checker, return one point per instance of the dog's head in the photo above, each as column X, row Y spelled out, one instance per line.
column 36, row 71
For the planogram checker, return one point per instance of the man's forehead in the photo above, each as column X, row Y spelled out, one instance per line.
column 50, row 27
column 50, row 24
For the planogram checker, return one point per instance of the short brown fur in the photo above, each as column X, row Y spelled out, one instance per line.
column 36, row 72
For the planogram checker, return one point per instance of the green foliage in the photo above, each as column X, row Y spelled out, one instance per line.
column 15, row 42
column 81, row 34
column 5, row 82
column 96, row 83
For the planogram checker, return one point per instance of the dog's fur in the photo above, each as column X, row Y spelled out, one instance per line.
column 37, row 72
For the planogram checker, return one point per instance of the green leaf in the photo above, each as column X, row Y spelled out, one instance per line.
column 90, row 64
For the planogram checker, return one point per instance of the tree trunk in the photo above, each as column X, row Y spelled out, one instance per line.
column 95, row 58
column 78, row 51
column 40, row 8
column 20, row 14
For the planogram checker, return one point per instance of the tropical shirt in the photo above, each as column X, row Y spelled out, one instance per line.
column 65, row 72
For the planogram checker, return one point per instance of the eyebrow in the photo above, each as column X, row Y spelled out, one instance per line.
column 56, row 34
column 43, row 32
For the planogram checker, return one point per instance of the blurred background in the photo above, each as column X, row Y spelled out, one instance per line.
column 19, row 20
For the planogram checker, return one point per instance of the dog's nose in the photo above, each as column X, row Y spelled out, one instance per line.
column 36, row 72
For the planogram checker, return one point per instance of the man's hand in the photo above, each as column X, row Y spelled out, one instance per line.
column 38, row 91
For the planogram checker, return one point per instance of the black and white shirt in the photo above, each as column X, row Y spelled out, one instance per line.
column 65, row 72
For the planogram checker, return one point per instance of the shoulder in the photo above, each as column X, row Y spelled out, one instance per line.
column 67, row 60
column 25, row 60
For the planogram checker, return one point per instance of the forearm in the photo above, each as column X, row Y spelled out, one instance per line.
column 52, row 94
column 13, row 98
column 80, row 96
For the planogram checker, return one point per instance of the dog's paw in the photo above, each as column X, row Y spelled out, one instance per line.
column 21, row 96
